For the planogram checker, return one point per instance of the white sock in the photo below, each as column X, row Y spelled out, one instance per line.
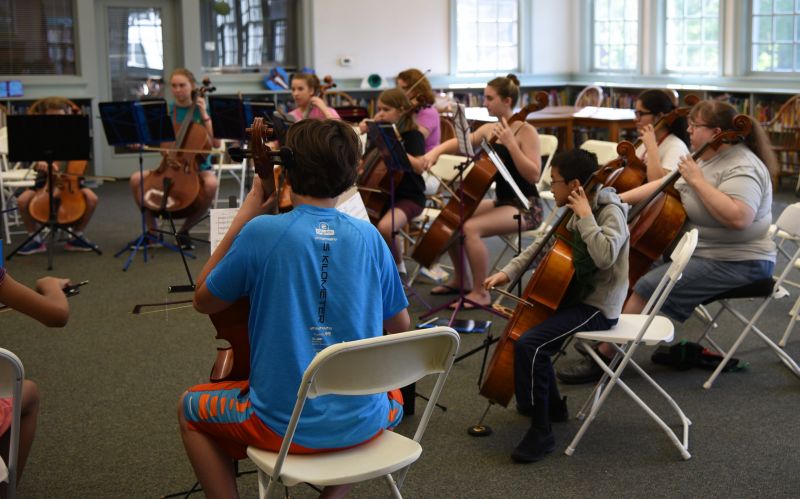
column 401, row 267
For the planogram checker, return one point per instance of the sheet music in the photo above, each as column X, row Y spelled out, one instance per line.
column 349, row 203
column 221, row 219
column 462, row 131
column 501, row 167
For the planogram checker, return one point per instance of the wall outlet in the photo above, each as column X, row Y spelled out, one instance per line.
column 345, row 60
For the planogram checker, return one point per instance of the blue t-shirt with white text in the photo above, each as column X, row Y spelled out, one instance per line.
column 315, row 277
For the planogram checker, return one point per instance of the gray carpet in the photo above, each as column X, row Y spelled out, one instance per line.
column 110, row 382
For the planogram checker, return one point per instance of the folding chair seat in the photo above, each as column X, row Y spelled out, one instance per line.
column 11, row 376
column 373, row 365
column 631, row 331
column 605, row 151
column 765, row 289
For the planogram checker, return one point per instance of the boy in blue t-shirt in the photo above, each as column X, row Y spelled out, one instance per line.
column 314, row 277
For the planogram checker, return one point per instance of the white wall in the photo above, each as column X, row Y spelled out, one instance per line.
column 381, row 36
column 556, row 36
column 385, row 37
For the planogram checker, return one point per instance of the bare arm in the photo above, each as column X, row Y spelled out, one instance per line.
column 398, row 323
column 639, row 194
column 47, row 304
column 654, row 169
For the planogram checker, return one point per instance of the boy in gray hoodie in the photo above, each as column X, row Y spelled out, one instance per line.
column 593, row 301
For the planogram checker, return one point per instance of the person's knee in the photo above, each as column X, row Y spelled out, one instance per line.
column 24, row 199
column 91, row 197
column 30, row 397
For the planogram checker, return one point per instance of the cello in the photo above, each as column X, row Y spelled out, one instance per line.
column 72, row 203
column 233, row 361
column 175, row 186
column 473, row 188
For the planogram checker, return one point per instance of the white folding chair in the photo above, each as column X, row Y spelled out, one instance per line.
column 362, row 367
column 632, row 330
column 605, row 151
column 11, row 375
column 11, row 179
column 548, row 145
column 767, row 290
column 235, row 170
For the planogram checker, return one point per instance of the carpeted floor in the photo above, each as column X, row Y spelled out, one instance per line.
column 110, row 382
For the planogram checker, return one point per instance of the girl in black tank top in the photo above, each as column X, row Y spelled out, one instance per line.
column 409, row 195
column 518, row 146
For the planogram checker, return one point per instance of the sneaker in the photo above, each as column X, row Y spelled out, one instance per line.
column 537, row 443
column 583, row 371
column 79, row 244
column 185, row 241
column 32, row 248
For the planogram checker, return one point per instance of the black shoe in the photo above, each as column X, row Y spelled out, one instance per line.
column 185, row 241
column 583, row 371
column 557, row 411
column 536, row 443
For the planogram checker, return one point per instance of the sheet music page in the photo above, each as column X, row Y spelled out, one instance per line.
column 501, row 167
column 462, row 131
column 220, row 222
column 350, row 203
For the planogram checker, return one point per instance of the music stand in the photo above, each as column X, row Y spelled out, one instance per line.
column 138, row 123
column 49, row 138
column 386, row 138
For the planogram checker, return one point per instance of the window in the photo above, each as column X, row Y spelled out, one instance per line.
column 37, row 38
column 145, row 49
column 775, row 36
column 487, row 36
column 249, row 34
column 692, row 36
column 615, row 35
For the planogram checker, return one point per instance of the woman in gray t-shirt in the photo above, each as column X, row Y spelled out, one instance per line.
column 727, row 194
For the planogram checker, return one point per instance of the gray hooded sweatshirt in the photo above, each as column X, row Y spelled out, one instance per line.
column 606, row 236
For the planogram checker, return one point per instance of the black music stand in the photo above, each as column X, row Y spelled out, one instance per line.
column 386, row 138
column 232, row 116
column 49, row 138
column 138, row 123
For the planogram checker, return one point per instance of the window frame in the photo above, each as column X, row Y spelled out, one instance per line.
column 660, row 17
column 524, row 42
column 588, row 61
column 747, row 53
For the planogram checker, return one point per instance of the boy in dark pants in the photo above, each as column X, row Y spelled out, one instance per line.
column 593, row 302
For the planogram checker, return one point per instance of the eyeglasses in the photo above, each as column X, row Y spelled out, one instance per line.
column 699, row 125
column 639, row 114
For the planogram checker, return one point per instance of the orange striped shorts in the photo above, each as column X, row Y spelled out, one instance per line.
column 223, row 410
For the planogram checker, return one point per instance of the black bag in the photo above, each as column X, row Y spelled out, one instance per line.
column 685, row 355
